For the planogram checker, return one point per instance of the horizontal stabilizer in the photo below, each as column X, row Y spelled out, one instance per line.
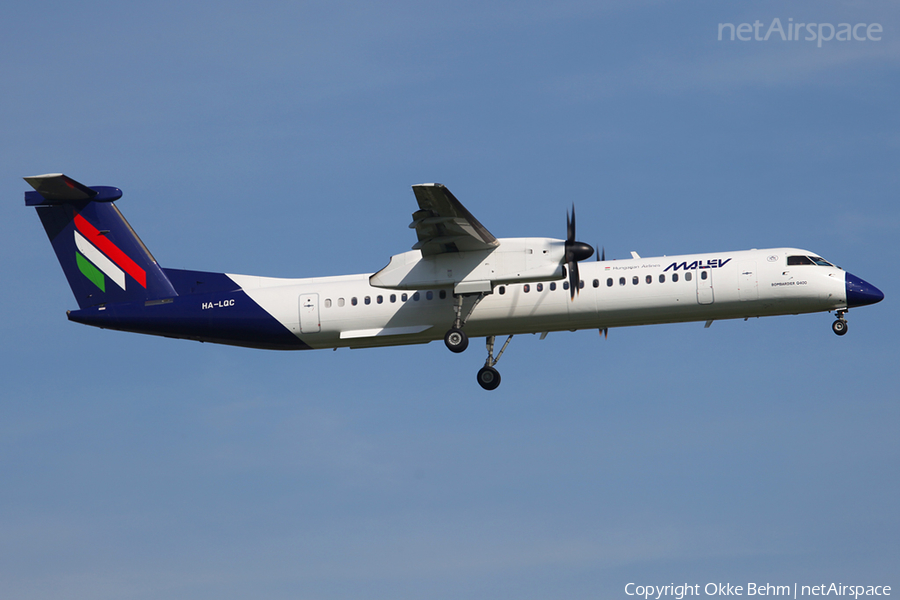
column 56, row 188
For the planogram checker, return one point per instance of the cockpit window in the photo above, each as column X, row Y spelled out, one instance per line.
column 808, row 260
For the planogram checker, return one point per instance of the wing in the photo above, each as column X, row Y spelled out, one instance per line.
column 443, row 224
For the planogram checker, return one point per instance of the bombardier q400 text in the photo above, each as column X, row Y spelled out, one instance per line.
column 457, row 281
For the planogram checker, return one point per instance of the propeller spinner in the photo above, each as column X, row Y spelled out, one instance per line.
column 575, row 251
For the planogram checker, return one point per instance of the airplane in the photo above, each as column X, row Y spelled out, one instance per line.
column 458, row 281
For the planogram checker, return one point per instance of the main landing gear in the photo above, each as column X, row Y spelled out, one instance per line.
column 456, row 339
column 488, row 377
column 840, row 325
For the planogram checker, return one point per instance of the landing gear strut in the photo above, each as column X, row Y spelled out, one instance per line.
column 840, row 325
column 488, row 377
column 456, row 339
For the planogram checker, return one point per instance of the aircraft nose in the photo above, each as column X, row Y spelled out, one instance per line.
column 861, row 293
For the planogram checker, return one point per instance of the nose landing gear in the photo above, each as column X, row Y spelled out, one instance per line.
column 840, row 325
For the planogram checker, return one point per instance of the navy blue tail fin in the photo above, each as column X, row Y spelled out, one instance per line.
column 103, row 258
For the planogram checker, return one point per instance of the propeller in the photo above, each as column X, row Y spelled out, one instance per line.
column 601, row 256
column 575, row 251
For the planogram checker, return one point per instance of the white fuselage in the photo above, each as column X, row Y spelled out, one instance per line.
column 347, row 311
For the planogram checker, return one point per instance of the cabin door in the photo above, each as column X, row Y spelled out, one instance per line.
column 309, row 314
column 704, row 286
column 748, row 285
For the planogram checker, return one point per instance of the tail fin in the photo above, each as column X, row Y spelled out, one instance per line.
column 103, row 258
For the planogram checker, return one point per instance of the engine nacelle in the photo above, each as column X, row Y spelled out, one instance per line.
column 515, row 260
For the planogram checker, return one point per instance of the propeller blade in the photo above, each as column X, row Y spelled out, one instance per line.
column 573, row 279
column 570, row 226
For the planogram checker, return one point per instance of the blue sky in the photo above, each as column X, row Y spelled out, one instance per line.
column 281, row 139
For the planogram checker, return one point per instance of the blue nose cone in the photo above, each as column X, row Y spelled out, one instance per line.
column 861, row 293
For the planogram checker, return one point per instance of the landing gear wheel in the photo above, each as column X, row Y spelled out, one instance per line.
column 456, row 340
column 488, row 378
column 839, row 327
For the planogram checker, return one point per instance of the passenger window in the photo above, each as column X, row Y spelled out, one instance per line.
column 662, row 278
column 368, row 300
column 552, row 286
column 379, row 299
column 674, row 276
column 502, row 289
column 526, row 288
column 353, row 300
column 565, row 285
column 688, row 276
column 609, row 282
column 540, row 287
column 416, row 296
column 340, row 301
column 404, row 298
column 429, row 295
column 649, row 279
column 327, row 302
column 442, row 294
column 393, row 298
column 596, row 283
column 581, row 285
column 704, row 275
column 634, row 280
column 621, row 281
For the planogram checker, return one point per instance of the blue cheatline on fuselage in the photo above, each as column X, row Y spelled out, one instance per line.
column 219, row 317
